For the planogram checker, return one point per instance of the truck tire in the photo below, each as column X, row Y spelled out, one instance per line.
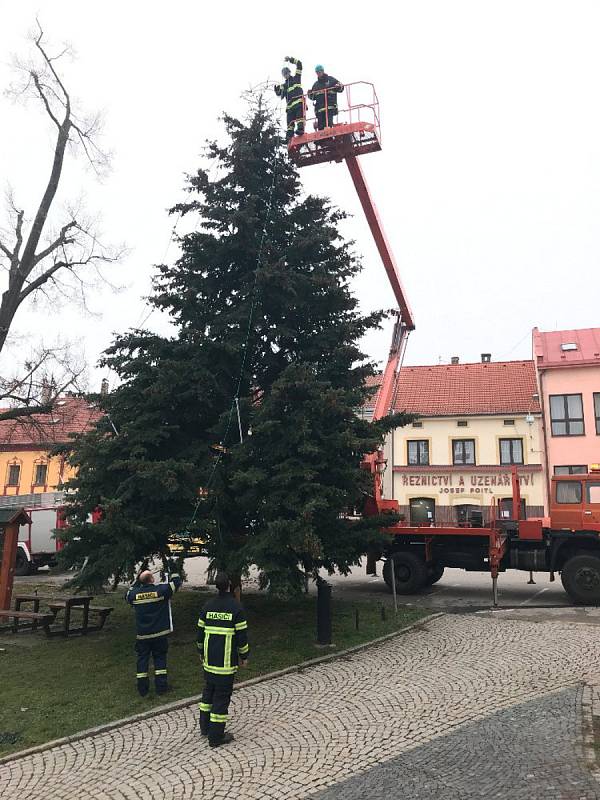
column 581, row 579
column 22, row 565
column 434, row 574
column 410, row 570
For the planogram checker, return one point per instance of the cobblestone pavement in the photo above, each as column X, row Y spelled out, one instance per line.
column 528, row 751
column 441, row 695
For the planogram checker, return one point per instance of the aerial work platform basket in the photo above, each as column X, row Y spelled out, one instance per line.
column 356, row 128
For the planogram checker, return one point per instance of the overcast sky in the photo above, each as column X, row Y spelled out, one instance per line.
column 488, row 181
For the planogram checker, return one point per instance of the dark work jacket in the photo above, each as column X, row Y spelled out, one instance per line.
column 222, row 635
column 152, row 605
column 318, row 92
column 291, row 88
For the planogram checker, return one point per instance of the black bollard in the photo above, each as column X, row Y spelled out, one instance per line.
column 382, row 613
column 356, row 619
column 323, row 612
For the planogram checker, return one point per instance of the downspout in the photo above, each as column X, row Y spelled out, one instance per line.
column 544, row 444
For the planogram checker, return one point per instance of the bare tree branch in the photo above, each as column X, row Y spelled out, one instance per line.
column 29, row 411
column 59, row 242
column 44, row 99
column 45, row 259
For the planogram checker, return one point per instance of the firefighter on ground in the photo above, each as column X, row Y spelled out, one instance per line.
column 222, row 645
column 324, row 95
column 291, row 91
column 153, row 621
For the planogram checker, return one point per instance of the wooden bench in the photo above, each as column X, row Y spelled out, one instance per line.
column 34, row 618
column 100, row 611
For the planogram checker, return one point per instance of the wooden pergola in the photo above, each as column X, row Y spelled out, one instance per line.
column 11, row 519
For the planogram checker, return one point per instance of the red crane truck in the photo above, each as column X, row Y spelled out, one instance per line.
column 568, row 541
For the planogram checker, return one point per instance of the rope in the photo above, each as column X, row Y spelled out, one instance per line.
column 245, row 346
column 143, row 321
column 171, row 235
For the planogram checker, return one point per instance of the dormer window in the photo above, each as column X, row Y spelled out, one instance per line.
column 566, row 346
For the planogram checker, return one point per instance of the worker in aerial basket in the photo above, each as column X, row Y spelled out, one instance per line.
column 324, row 95
column 291, row 91
column 222, row 646
column 152, row 605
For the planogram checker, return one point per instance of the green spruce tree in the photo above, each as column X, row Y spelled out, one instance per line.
column 241, row 427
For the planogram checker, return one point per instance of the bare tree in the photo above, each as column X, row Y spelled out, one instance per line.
column 36, row 258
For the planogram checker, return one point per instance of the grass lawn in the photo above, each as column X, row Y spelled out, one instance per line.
column 55, row 687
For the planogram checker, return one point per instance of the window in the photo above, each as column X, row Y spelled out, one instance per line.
column 463, row 451
column 422, row 510
column 462, row 423
column 568, row 492
column 509, row 422
column 14, row 473
column 506, row 508
column 41, row 473
column 418, row 451
column 511, row 451
column 574, row 469
column 593, row 493
column 468, row 514
column 566, row 414
column 417, row 424
column 597, row 411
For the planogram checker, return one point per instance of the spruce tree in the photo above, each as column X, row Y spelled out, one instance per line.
column 241, row 427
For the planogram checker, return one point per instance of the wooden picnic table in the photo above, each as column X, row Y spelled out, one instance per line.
column 26, row 619
column 68, row 603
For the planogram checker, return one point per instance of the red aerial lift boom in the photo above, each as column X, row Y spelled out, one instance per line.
column 357, row 131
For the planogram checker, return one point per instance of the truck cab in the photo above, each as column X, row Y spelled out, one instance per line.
column 575, row 501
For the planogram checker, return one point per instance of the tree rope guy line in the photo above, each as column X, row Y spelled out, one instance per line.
column 235, row 398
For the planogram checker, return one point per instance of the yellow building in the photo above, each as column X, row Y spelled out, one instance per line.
column 31, row 477
column 26, row 467
column 476, row 421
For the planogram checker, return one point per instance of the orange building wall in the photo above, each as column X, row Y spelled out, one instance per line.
column 28, row 459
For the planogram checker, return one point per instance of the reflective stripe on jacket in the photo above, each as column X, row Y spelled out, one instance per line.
column 151, row 603
column 325, row 87
column 291, row 89
column 223, row 635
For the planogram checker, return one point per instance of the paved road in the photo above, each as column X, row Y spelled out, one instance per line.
column 465, row 706
column 457, row 591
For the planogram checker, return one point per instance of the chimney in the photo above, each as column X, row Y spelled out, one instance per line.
column 454, row 360
column 47, row 390
column 104, row 387
column 486, row 358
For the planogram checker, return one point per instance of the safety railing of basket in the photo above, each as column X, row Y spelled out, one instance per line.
column 357, row 103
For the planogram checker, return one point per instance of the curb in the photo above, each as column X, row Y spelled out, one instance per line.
column 188, row 701
column 590, row 707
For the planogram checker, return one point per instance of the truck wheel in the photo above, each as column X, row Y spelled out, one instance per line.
column 410, row 570
column 581, row 578
column 22, row 565
column 434, row 574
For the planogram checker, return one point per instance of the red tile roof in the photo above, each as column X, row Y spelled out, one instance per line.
column 70, row 415
column 582, row 348
column 497, row 387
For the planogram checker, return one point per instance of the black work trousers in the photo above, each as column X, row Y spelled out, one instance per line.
column 157, row 648
column 325, row 117
column 296, row 117
column 214, row 705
